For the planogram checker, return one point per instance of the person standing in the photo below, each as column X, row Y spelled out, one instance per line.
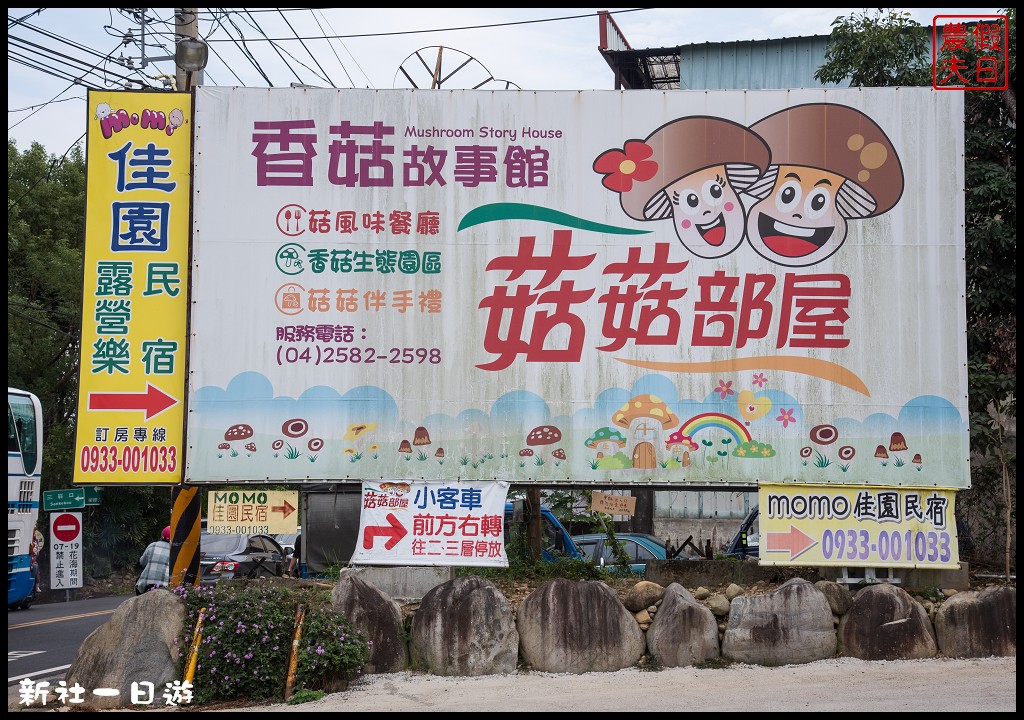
column 156, row 564
column 295, row 564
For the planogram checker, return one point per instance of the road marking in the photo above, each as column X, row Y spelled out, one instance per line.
column 38, row 673
column 13, row 655
column 59, row 619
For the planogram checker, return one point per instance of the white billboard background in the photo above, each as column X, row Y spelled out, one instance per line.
column 449, row 396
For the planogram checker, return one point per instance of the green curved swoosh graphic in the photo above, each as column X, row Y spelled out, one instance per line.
column 522, row 211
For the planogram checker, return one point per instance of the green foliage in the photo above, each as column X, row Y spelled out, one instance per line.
column 305, row 696
column 247, row 637
column 45, row 241
column 117, row 531
column 330, row 647
column 877, row 48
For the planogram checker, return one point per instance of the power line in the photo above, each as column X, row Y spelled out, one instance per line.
column 351, row 82
column 306, row 48
column 259, row 29
column 436, row 30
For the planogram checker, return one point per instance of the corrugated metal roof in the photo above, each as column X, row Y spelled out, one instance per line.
column 753, row 64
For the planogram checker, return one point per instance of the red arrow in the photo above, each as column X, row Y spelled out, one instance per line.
column 285, row 509
column 154, row 401
column 795, row 541
column 396, row 532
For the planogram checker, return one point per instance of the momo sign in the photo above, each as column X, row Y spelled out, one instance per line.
column 692, row 288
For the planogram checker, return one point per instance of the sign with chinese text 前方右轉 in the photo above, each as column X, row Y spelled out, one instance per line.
column 711, row 289
column 252, row 511
column 850, row 526
column 613, row 504
column 65, row 550
column 419, row 523
column 135, row 299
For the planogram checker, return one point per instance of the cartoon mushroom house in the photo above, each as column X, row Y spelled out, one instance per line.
column 646, row 418
column 605, row 441
column 690, row 170
column 680, row 446
column 405, row 447
column 830, row 163
column 544, row 437
column 421, row 437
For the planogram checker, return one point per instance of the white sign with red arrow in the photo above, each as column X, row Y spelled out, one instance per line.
column 457, row 523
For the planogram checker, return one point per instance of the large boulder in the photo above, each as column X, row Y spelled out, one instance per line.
column 378, row 618
column 684, row 632
column 569, row 626
column 789, row 625
column 886, row 623
column 136, row 645
column 978, row 623
column 464, row 627
column 642, row 596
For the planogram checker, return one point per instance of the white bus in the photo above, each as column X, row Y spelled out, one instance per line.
column 24, row 463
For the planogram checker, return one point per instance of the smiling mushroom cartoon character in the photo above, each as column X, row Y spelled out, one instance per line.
column 830, row 164
column 692, row 171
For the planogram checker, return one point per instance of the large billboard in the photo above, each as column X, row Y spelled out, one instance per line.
column 675, row 288
column 131, row 416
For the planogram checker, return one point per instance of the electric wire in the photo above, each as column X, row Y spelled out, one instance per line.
column 310, row 52
column 331, row 46
column 256, row 26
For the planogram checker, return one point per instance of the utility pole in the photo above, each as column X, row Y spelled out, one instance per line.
column 186, row 25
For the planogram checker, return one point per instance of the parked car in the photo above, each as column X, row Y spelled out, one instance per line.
column 639, row 548
column 223, row 557
column 556, row 542
column 746, row 542
column 287, row 541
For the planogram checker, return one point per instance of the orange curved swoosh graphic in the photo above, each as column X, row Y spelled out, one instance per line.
column 807, row 366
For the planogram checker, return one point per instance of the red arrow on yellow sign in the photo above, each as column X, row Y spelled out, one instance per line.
column 154, row 401
column 286, row 509
column 794, row 541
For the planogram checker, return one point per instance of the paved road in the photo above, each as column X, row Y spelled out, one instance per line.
column 43, row 640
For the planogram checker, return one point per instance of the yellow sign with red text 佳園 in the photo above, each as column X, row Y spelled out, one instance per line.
column 135, row 292
column 850, row 526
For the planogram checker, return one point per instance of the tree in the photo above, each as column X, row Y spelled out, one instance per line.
column 45, row 255
column 886, row 49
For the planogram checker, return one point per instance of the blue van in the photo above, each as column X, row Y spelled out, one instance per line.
column 556, row 541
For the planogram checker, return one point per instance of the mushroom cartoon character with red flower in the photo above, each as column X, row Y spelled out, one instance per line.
column 692, row 171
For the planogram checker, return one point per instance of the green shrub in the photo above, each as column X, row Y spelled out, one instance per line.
column 247, row 634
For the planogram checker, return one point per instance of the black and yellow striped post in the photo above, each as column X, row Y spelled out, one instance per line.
column 186, row 516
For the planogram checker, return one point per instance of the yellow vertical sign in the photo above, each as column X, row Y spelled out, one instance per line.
column 135, row 292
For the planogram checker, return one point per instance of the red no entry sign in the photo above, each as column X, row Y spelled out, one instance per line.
column 67, row 527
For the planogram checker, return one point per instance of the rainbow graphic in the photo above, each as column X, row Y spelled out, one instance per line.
column 731, row 425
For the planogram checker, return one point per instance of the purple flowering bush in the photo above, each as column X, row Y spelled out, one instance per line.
column 247, row 635
column 331, row 651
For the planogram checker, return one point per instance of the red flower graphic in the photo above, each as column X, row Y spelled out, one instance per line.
column 786, row 417
column 622, row 167
column 724, row 389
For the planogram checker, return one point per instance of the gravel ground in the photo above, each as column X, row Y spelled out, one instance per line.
column 838, row 685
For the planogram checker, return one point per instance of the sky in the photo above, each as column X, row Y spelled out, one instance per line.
column 525, row 48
